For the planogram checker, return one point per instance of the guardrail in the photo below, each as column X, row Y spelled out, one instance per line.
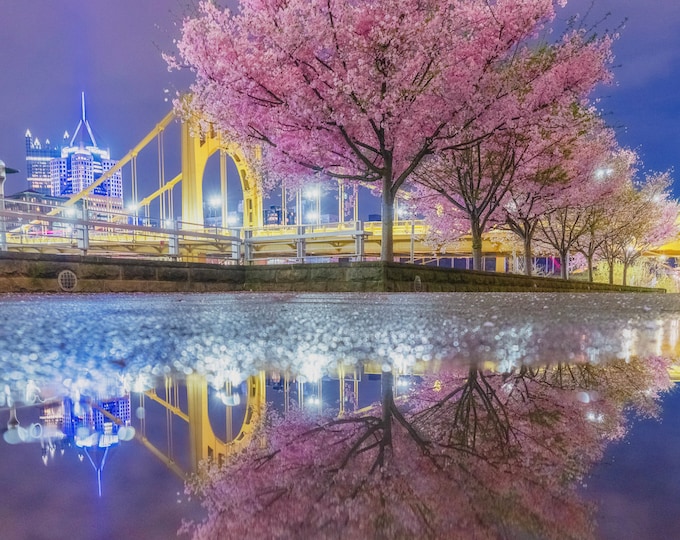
column 83, row 231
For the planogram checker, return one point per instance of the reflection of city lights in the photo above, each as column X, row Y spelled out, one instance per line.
column 595, row 417
column 231, row 376
column 311, row 370
column 673, row 334
column 32, row 393
column 141, row 384
column 312, row 193
column 659, row 338
column 231, row 400
column 583, row 397
column 126, row 433
column 215, row 201
column 627, row 344
column 312, row 216
column 314, row 401
column 6, row 397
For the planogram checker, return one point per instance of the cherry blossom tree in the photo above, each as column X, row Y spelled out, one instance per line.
column 641, row 219
column 477, row 178
column 593, row 178
column 546, row 176
column 363, row 91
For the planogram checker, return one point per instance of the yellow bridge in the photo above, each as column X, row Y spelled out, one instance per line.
column 149, row 227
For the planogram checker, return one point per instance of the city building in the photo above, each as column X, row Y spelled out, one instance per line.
column 65, row 170
column 82, row 163
column 38, row 203
column 38, row 158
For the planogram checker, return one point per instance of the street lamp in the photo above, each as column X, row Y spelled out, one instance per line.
column 215, row 202
column 603, row 172
column 4, row 171
column 15, row 433
column 313, row 194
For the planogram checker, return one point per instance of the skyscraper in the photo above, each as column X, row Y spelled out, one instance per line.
column 38, row 157
column 81, row 163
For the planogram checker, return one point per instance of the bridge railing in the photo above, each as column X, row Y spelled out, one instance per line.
column 79, row 229
column 36, row 227
column 305, row 243
column 26, row 227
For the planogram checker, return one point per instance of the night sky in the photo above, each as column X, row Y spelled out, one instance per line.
column 52, row 51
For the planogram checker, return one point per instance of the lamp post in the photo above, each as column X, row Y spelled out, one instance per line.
column 405, row 212
column 214, row 203
column 15, row 433
column 313, row 194
column 4, row 171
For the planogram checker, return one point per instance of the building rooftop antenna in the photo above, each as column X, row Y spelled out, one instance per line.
column 83, row 124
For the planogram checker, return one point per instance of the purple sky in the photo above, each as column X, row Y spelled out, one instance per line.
column 52, row 51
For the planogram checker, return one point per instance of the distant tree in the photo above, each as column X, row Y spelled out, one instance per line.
column 363, row 91
column 552, row 83
column 641, row 219
column 548, row 175
column 571, row 215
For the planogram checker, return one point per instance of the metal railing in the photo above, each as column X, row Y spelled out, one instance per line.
column 25, row 226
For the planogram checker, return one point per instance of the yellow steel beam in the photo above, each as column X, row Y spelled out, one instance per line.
column 169, row 185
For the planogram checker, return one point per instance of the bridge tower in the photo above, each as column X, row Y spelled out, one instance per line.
column 196, row 150
column 204, row 443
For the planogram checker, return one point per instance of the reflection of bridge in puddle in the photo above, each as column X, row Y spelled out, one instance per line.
column 214, row 423
column 187, row 420
column 184, row 421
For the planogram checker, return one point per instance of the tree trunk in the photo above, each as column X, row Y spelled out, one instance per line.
column 476, row 246
column 564, row 267
column 387, row 240
column 528, row 257
column 589, row 258
column 625, row 273
column 611, row 272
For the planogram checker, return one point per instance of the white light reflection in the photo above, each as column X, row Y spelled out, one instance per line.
column 628, row 341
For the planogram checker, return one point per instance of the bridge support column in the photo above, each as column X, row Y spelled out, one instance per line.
column 301, row 247
column 359, row 242
column 82, row 230
column 173, row 242
column 247, row 246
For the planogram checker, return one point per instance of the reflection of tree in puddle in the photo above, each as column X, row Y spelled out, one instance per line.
column 469, row 453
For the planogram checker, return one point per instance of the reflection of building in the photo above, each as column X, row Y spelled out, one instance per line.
column 88, row 422
column 94, row 426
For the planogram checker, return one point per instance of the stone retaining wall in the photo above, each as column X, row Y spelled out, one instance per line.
column 21, row 272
